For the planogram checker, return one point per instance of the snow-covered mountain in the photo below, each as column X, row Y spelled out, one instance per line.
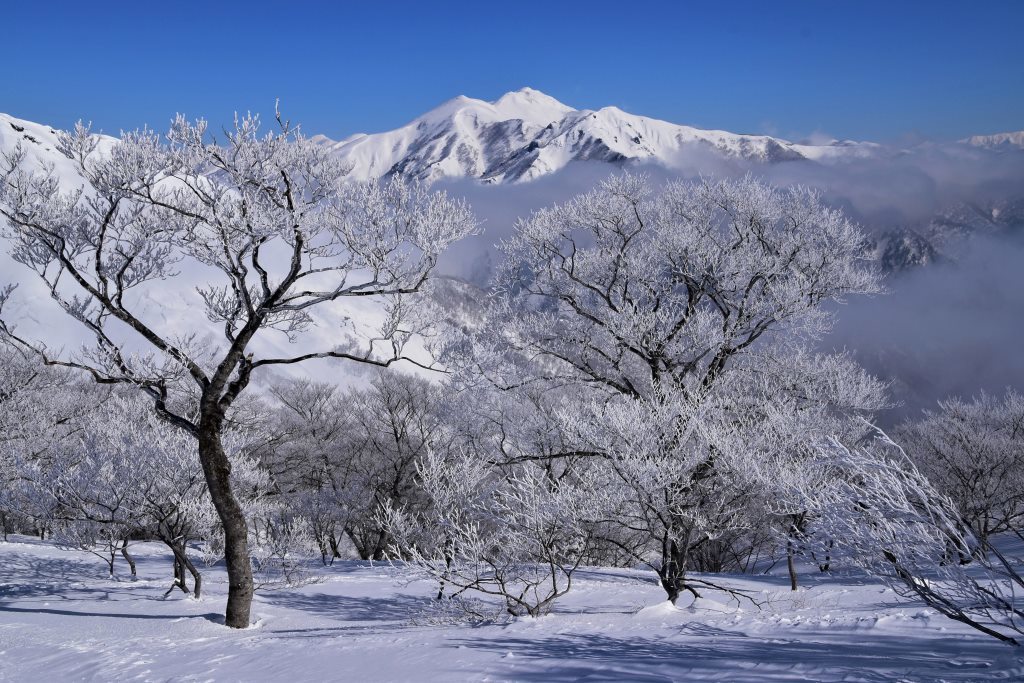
column 521, row 136
column 1014, row 140
column 526, row 134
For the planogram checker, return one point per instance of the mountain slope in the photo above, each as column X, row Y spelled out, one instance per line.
column 39, row 143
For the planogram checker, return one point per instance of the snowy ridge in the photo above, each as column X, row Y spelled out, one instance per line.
column 1013, row 140
column 526, row 134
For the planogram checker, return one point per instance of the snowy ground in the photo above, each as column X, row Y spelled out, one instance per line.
column 62, row 619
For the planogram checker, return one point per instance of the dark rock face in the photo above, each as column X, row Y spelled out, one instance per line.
column 945, row 235
column 905, row 249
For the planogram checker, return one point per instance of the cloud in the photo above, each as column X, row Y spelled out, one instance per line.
column 499, row 207
column 950, row 329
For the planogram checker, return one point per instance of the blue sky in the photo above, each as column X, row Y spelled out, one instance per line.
column 865, row 70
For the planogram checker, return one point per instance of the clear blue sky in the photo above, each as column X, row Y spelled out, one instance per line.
column 853, row 69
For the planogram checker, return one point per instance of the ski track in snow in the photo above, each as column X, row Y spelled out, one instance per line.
column 61, row 619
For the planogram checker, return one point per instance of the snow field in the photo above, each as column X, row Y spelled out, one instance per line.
column 62, row 619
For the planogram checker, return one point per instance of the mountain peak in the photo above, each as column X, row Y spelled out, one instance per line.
column 526, row 104
column 531, row 98
column 449, row 108
column 531, row 106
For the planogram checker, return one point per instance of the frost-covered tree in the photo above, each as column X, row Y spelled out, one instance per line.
column 86, row 497
column 628, row 288
column 674, row 311
column 394, row 422
column 973, row 451
column 268, row 234
column 886, row 516
column 685, row 472
column 41, row 409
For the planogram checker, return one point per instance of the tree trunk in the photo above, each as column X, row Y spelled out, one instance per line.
column 379, row 546
column 362, row 548
column 671, row 584
column 444, row 577
column 179, row 569
column 796, row 531
column 824, row 566
column 790, row 565
column 181, row 563
column 217, row 469
column 197, row 578
column 335, row 551
column 179, row 575
column 321, row 542
column 673, row 569
column 128, row 558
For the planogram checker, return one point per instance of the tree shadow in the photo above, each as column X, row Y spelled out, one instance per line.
column 617, row 575
column 211, row 617
column 721, row 654
column 351, row 609
column 26, row 569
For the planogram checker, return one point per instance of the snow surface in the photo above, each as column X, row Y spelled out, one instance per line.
column 62, row 619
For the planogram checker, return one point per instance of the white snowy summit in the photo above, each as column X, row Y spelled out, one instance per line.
column 526, row 134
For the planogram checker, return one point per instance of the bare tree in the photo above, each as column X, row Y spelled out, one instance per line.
column 394, row 422
column 309, row 460
column 270, row 235
column 339, row 457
